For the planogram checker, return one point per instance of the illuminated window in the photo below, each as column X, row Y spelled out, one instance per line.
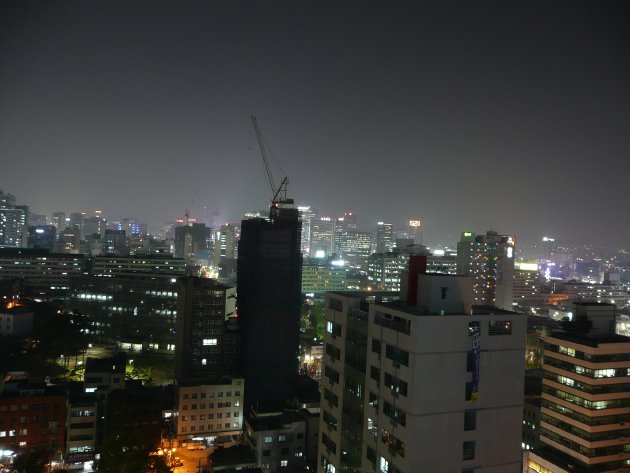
column 209, row 341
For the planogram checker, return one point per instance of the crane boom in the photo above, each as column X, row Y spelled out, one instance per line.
column 280, row 193
column 263, row 152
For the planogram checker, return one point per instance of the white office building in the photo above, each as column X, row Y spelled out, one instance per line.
column 435, row 383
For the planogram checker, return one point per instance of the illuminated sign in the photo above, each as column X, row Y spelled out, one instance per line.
column 414, row 223
column 468, row 234
column 510, row 251
column 528, row 267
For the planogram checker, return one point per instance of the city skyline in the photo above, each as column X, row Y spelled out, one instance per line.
column 468, row 117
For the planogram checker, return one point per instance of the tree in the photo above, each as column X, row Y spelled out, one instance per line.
column 128, row 453
column 28, row 463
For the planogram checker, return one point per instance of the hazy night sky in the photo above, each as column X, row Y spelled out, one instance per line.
column 468, row 115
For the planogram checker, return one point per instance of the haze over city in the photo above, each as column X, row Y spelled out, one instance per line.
column 511, row 116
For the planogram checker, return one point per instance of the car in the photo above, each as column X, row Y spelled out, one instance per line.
column 195, row 446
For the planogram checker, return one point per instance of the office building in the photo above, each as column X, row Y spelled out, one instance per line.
column 385, row 241
column 156, row 265
column 585, row 398
column 210, row 409
column 130, row 301
column 42, row 236
column 385, row 269
column 189, row 239
column 13, row 227
column 306, row 214
column 69, row 240
column 278, row 440
column 207, row 340
column 32, row 417
column 225, row 243
column 45, row 275
column 441, row 261
column 15, row 322
column 322, row 233
column 414, row 230
column 94, row 227
column 59, row 220
column 430, row 383
column 527, row 285
column 354, row 247
column 115, row 242
column 318, row 278
column 489, row 259
column 81, row 425
column 465, row 249
column 76, row 220
column 209, row 387
column 269, row 302
column 36, row 220
column 13, row 222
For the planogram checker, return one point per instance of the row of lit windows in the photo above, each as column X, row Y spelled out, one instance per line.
column 210, row 416
column 203, row 395
column 597, row 405
column 12, row 433
column 193, row 428
column 581, row 370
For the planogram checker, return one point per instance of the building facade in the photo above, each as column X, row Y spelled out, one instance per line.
column 45, row 274
column 210, row 410
column 269, row 305
column 586, row 397
column 206, row 342
column 489, row 259
column 440, row 389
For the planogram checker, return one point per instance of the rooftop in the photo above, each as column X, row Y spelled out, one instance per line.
column 422, row 310
column 238, row 455
column 274, row 422
column 588, row 339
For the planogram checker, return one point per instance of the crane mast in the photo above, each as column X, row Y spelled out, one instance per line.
column 279, row 193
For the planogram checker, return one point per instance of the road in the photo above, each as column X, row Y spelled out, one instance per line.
column 194, row 460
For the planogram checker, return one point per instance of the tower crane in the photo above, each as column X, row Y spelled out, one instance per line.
column 279, row 193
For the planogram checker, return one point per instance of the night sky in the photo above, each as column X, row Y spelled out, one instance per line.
column 512, row 115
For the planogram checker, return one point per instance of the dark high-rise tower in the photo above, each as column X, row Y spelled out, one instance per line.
column 269, row 299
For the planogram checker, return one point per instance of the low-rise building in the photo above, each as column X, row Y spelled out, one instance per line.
column 32, row 417
column 278, row 440
column 81, row 431
column 16, row 322
column 210, row 410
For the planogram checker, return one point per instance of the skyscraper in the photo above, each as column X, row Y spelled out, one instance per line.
column 225, row 243
column 13, row 222
column 269, row 299
column 306, row 214
column 384, row 237
column 321, row 240
column 489, row 259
